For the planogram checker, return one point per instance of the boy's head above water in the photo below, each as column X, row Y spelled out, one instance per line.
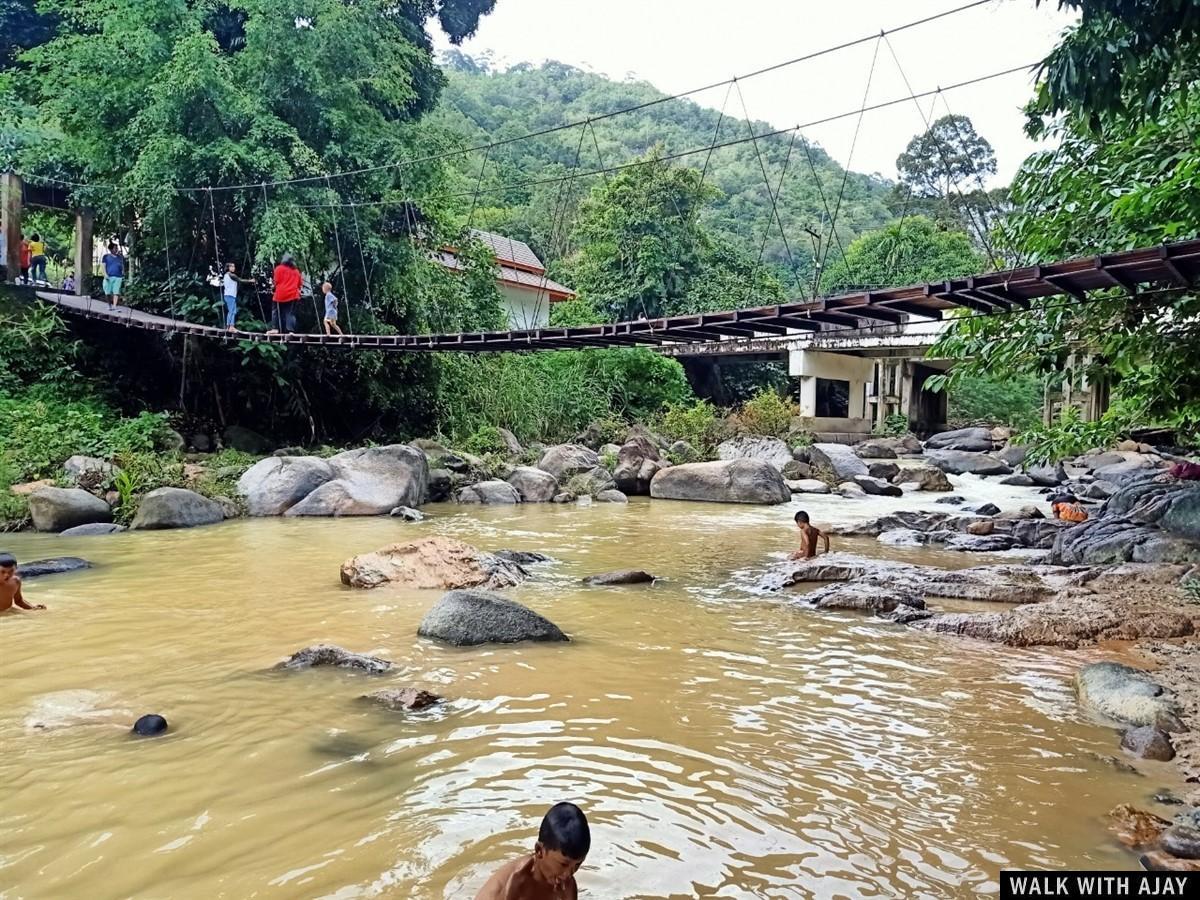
column 8, row 566
column 563, row 843
column 802, row 518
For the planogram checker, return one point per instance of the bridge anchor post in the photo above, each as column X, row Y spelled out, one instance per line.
column 11, row 202
column 85, row 220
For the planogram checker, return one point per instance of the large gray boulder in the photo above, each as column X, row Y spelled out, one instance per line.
column 965, row 462
column 274, row 485
column 877, row 486
column 591, row 483
column 765, row 449
column 57, row 509
column 89, row 471
column 533, row 485
column 470, row 618
column 926, row 478
column 490, row 493
column 875, row 449
column 564, row 460
column 638, row 461
column 169, row 507
column 839, row 459
column 1144, row 521
column 970, row 439
column 370, row 481
column 1127, row 695
column 730, row 481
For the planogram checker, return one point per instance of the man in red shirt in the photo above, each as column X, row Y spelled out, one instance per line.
column 286, row 295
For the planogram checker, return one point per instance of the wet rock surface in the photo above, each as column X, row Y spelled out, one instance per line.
column 471, row 618
column 1148, row 742
column 332, row 656
column 624, row 576
column 54, row 566
column 407, row 699
column 1126, row 694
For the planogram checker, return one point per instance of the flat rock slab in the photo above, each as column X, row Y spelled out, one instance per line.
column 407, row 699
column 471, row 618
column 522, row 557
column 1126, row 694
column 55, row 566
column 625, row 576
column 332, row 656
column 431, row 563
column 92, row 529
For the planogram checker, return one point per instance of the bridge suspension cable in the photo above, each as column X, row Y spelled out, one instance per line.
column 447, row 154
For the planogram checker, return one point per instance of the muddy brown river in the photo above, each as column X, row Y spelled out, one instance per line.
column 723, row 743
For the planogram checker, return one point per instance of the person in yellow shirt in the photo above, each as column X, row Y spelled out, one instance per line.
column 37, row 262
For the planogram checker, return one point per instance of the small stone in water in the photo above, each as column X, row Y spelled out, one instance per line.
column 626, row 576
column 149, row 725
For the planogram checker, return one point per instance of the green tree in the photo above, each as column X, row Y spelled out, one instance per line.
column 911, row 251
column 641, row 241
column 1124, row 176
column 945, row 157
column 145, row 100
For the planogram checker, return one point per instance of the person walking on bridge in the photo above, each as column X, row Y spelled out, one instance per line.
column 229, row 289
column 286, row 295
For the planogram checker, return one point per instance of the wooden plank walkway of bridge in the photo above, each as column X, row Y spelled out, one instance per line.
column 1010, row 291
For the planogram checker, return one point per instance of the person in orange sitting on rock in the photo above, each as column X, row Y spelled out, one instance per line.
column 1066, row 507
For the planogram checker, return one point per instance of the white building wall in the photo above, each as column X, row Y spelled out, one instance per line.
column 525, row 308
column 809, row 365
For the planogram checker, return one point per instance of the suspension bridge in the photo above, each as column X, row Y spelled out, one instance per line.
column 1167, row 266
column 845, row 318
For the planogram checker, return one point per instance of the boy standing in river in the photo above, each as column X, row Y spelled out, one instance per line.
column 809, row 535
column 549, row 872
column 10, row 586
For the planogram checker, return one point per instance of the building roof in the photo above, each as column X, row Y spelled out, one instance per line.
column 518, row 265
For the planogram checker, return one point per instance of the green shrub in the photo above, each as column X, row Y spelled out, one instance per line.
column 895, row 425
column 41, row 430
column 551, row 397
column 768, row 413
column 14, row 508
column 1191, row 590
column 698, row 424
column 142, row 472
column 1069, row 436
column 484, row 440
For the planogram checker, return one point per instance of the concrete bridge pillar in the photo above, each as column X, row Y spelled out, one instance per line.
column 11, row 204
column 85, row 220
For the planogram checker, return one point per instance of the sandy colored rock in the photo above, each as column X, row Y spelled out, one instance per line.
column 983, row 528
column 431, row 563
column 1136, row 828
column 1148, row 742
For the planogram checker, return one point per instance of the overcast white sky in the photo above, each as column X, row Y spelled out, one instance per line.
column 678, row 45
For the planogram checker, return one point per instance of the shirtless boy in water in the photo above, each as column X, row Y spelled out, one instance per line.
column 549, row 872
column 809, row 535
column 10, row 586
